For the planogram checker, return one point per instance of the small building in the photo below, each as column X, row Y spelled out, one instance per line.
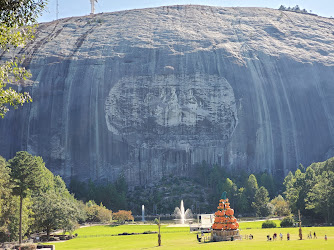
column 204, row 223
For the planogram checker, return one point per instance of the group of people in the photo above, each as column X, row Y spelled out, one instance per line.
column 280, row 235
column 309, row 236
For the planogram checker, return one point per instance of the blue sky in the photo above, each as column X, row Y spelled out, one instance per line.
column 68, row 8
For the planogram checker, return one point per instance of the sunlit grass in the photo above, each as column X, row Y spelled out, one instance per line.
column 255, row 224
column 181, row 238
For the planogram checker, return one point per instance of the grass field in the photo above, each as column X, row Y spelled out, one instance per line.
column 255, row 224
column 98, row 237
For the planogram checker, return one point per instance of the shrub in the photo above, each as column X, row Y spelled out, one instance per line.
column 121, row 216
column 287, row 222
column 96, row 213
column 281, row 206
column 28, row 247
column 269, row 224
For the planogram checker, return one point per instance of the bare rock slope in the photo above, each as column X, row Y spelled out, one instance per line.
column 154, row 92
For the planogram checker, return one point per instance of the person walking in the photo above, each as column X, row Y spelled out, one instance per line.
column 275, row 236
column 310, row 235
column 288, row 236
column 281, row 236
column 315, row 236
column 325, row 237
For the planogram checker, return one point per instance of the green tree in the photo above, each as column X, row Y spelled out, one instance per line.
column 242, row 205
column 5, row 198
column 82, row 215
column 251, row 188
column 231, row 190
column 47, row 180
column 97, row 213
column 251, row 185
column 60, row 186
column 287, row 221
column 15, row 213
column 296, row 190
column 112, row 195
column 121, row 188
column 310, row 178
column 79, row 189
column 321, row 196
column 301, row 168
column 291, row 193
column 311, row 191
column 267, row 181
column 5, row 185
column 215, row 179
column 282, row 7
column 16, row 18
column 54, row 211
column 300, row 185
column 26, row 173
column 54, row 206
column 260, row 203
column 281, row 206
column 296, row 8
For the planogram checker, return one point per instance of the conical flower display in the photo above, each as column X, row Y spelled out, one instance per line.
column 224, row 219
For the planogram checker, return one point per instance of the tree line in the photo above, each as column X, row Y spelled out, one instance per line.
column 310, row 190
column 112, row 195
column 249, row 195
column 307, row 189
column 32, row 199
column 296, row 9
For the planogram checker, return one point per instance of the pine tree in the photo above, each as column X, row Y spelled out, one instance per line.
column 26, row 173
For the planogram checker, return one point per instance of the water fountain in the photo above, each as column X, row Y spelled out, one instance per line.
column 181, row 214
column 142, row 213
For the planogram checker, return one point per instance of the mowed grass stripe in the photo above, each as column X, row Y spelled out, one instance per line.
column 181, row 238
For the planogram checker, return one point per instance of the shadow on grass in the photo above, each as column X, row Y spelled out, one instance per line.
column 113, row 225
column 150, row 247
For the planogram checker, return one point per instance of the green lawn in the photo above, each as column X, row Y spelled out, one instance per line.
column 181, row 238
column 255, row 224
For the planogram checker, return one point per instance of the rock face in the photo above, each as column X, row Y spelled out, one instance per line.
column 154, row 92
